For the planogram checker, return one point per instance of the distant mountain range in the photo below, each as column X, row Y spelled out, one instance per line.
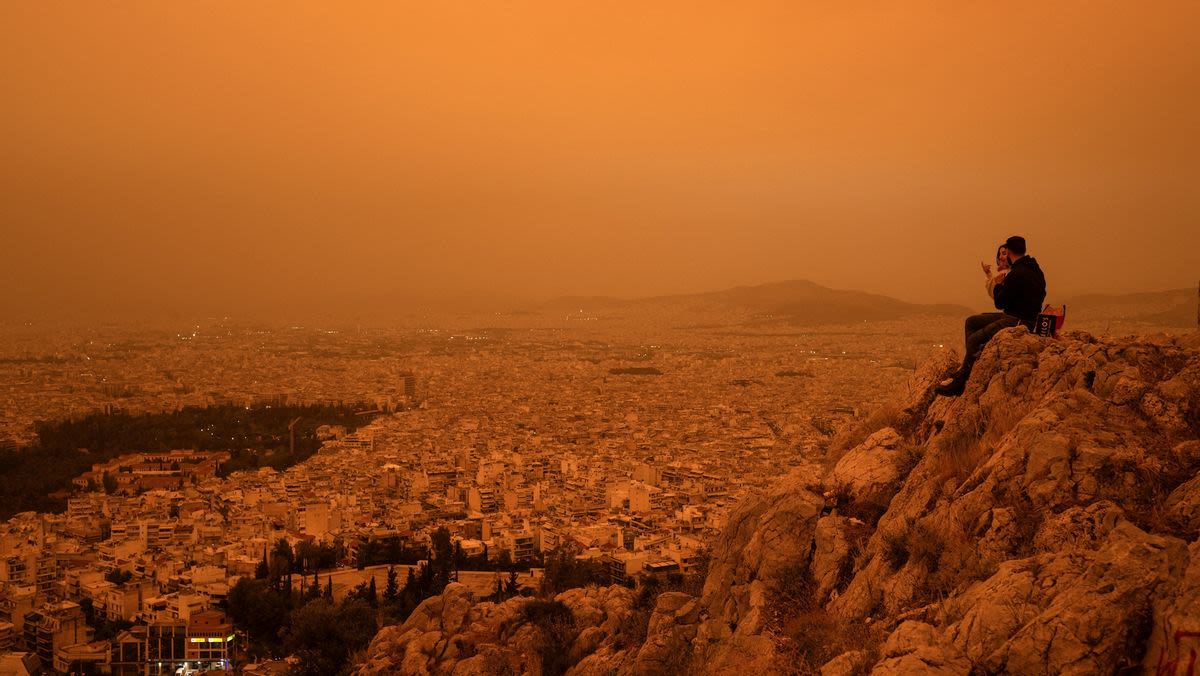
column 1176, row 307
column 792, row 302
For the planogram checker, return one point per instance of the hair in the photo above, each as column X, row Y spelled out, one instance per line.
column 998, row 250
column 1015, row 244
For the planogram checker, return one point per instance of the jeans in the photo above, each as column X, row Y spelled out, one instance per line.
column 979, row 330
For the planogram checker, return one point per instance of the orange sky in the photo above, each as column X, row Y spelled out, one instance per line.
column 231, row 157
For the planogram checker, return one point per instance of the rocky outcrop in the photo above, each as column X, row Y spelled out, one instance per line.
column 455, row 634
column 870, row 473
column 1044, row 522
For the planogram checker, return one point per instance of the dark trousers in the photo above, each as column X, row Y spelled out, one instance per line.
column 979, row 330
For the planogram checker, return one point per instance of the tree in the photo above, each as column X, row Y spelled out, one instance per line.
column 460, row 556
column 410, row 596
column 442, row 549
column 118, row 576
column 282, row 559
column 309, row 638
column 256, row 607
column 356, row 625
column 511, row 587
column 263, row 570
column 564, row 571
column 109, row 482
column 328, row 594
column 372, row 597
column 307, row 556
column 314, row 590
column 504, row 559
column 391, row 593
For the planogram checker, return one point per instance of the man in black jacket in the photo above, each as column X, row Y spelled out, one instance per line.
column 1019, row 296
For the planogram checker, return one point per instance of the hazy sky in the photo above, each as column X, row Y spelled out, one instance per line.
column 226, row 157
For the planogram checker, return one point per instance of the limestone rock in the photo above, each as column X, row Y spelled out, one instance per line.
column 1174, row 642
column 765, row 535
column 1183, row 505
column 668, row 642
column 831, row 553
column 916, row 648
column 847, row 664
column 1090, row 626
column 454, row 634
column 871, row 470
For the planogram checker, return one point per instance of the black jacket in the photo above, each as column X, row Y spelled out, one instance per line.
column 1023, row 290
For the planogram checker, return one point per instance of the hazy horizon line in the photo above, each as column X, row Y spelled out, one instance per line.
column 380, row 306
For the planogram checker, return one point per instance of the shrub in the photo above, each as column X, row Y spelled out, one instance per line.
column 812, row 638
column 1139, row 481
column 946, row 559
column 556, row 623
column 806, row 635
column 857, row 536
column 634, row 629
column 795, row 587
column 925, row 547
column 895, row 550
column 869, row 511
column 958, row 451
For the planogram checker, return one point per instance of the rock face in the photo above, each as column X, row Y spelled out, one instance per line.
column 454, row 634
column 1044, row 522
column 871, row 472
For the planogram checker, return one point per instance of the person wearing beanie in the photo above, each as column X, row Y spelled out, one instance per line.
column 1018, row 296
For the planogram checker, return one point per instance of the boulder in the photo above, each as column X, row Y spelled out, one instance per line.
column 917, row 648
column 870, row 472
column 1183, row 505
column 765, row 536
column 832, row 554
column 848, row 663
column 1101, row 618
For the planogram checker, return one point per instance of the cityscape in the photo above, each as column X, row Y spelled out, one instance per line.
column 547, row 338
column 519, row 441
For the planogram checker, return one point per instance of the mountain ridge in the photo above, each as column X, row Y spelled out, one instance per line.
column 791, row 301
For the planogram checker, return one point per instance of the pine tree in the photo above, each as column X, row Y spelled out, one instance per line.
column 263, row 570
column 392, row 591
column 329, row 588
column 314, row 590
column 372, row 597
column 411, row 595
column 511, row 588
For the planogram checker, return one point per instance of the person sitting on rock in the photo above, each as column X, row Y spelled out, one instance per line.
column 1002, row 268
column 1019, row 296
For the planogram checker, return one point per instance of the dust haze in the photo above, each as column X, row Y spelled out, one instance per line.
column 290, row 158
